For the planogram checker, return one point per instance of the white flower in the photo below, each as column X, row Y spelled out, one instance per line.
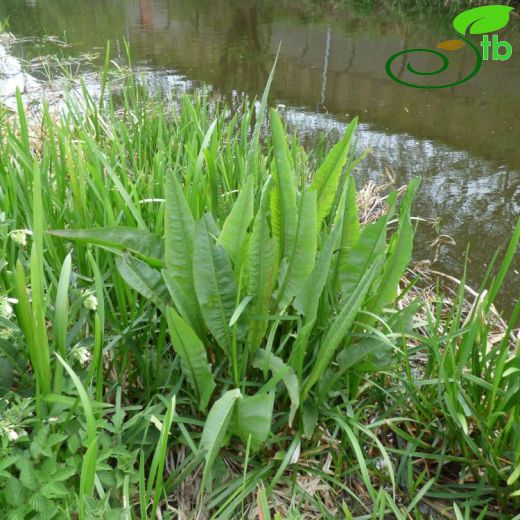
column 6, row 311
column 83, row 355
column 20, row 236
column 90, row 301
column 12, row 435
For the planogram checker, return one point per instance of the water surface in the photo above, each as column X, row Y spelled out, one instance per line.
column 463, row 141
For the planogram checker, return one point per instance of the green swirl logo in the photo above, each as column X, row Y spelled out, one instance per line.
column 480, row 20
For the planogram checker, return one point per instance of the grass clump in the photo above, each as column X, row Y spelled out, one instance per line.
column 200, row 319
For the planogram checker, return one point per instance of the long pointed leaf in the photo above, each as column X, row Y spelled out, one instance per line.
column 263, row 259
column 214, row 283
column 194, row 360
column 327, row 177
column 141, row 277
column 283, row 205
column 370, row 245
column 234, row 231
column 350, row 228
column 340, row 327
column 179, row 240
column 399, row 254
column 253, row 418
column 147, row 245
column 215, row 430
column 299, row 264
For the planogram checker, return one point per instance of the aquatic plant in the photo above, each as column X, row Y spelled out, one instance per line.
column 207, row 323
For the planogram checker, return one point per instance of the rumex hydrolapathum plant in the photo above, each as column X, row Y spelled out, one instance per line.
column 270, row 343
column 264, row 299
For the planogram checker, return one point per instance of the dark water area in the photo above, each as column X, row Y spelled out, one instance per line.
column 463, row 141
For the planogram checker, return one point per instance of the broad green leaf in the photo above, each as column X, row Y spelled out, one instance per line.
column 299, row 264
column 179, row 233
column 307, row 301
column 399, row 254
column 327, row 177
column 215, row 430
column 348, row 219
column 179, row 238
column 359, row 352
column 370, row 245
column 253, row 417
column 481, row 20
column 31, row 314
column 144, row 279
column 290, row 380
column 194, row 361
column 340, row 327
column 146, row 245
column 214, row 282
column 262, row 265
column 88, row 471
column 234, row 231
column 185, row 302
column 283, row 201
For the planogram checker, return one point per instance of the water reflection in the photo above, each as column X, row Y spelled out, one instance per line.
column 463, row 141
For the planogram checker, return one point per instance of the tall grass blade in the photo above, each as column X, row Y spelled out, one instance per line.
column 61, row 318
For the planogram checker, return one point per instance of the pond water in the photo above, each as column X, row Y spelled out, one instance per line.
column 463, row 141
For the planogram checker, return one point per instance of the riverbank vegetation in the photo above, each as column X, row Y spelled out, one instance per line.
column 427, row 7
column 201, row 319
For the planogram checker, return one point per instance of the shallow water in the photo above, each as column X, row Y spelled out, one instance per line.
column 464, row 141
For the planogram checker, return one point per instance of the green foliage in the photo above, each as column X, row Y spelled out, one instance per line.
column 205, row 270
column 190, row 350
column 40, row 473
column 37, row 484
column 201, row 309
